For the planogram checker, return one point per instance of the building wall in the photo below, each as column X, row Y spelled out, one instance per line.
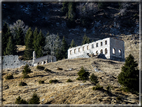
column 12, row 61
column 105, row 46
column 117, row 49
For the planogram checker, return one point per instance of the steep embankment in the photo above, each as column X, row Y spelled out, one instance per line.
column 76, row 92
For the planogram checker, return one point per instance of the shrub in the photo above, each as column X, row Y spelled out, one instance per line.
column 129, row 77
column 34, row 99
column 40, row 67
column 118, row 98
column 97, row 87
column 26, row 76
column 26, row 69
column 83, row 75
column 69, row 80
column 9, row 76
column 22, row 83
column 41, row 82
column 53, row 81
column 93, row 79
column 59, row 68
column 47, row 70
column 20, row 101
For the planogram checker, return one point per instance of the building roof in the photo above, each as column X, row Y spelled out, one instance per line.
column 43, row 58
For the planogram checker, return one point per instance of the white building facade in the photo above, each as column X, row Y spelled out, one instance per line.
column 110, row 47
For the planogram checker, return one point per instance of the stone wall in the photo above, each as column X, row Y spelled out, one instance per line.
column 12, row 61
column 105, row 46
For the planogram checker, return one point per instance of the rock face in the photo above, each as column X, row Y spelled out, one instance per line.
column 110, row 48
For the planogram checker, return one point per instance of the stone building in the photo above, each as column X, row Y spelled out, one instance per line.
column 13, row 61
column 42, row 60
column 109, row 47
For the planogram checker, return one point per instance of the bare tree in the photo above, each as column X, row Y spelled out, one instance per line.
column 18, row 24
column 52, row 43
column 87, row 8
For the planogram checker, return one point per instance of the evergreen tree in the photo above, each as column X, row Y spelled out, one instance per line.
column 35, row 34
column 10, row 49
column 29, row 44
column 20, row 101
column 85, row 40
column 83, row 74
column 71, row 15
column 64, row 48
column 28, row 54
column 94, row 79
column 129, row 77
column 35, row 99
column 29, row 41
column 40, row 42
column 39, row 52
column 64, row 9
column 5, row 35
column 72, row 43
column 41, row 39
column 19, row 37
column 29, row 34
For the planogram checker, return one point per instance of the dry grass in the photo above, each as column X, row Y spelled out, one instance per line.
column 76, row 92
column 20, row 48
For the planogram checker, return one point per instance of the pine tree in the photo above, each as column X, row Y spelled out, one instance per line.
column 28, row 54
column 93, row 79
column 129, row 77
column 41, row 38
column 29, row 44
column 40, row 42
column 39, row 52
column 35, row 34
column 5, row 35
column 72, row 43
column 64, row 9
column 71, row 15
column 29, row 41
column 19, row 37
column 85, row 39
column 10, row 49
column 35, row 99
column 64, row 48
column 29, row 34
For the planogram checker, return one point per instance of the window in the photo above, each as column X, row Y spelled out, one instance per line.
column 105, row 42
column 92, row 45
column 105, row 50
column 101, row 43
column 113, row 51
column 120, row 52
column 101, row 51
column 70, row 52
column 83, row 48
column 96, row 52
column 96, row 44
column 78, row 49
column 75, row 51
column 87, row 47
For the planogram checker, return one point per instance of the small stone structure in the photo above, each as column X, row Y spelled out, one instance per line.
column 13, row 61
column 43, row 60
column 110, row 48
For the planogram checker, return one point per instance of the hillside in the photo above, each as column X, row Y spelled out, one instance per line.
column 109, row 20
column 76, row 92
